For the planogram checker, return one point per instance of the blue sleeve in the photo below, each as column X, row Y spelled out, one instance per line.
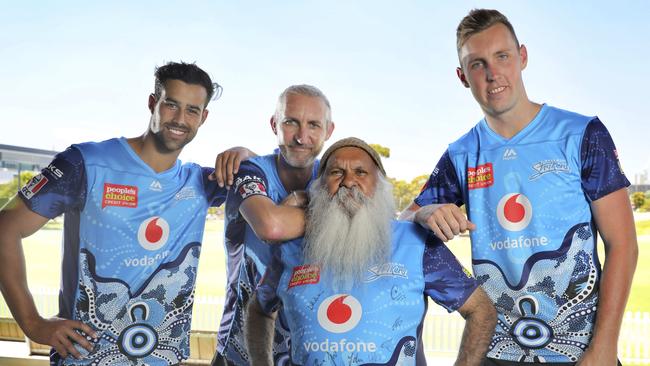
column 249, row 181
column 267, row 295
column 216, row 195
column 601, row 171
column 446, row 281
column 442, row 186
column 59, row 188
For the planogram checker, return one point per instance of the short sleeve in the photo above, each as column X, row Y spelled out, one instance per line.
column 601, row 170
column 249, row 181
column 267, row 295
column 59, row 188
column 446, row 281
column 216, row 195
column 442, row 186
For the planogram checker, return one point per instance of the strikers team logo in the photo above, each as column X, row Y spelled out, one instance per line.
column 339, row 313
column 153, row 233
column 514, row 212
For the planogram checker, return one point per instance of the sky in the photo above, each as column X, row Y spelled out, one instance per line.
column 75, row 71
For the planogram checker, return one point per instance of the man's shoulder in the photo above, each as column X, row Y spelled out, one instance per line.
column 466, row 142
column 566, row 120
column 408, row 232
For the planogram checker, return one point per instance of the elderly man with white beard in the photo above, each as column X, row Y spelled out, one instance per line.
column 354, row 290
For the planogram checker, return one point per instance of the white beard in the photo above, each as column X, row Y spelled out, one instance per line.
column 348, row 232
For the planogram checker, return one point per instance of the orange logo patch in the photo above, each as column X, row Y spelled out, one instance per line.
column 304, row 275
column 120, row 196
column 480, row 177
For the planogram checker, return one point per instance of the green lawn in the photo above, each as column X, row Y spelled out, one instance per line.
column 42, row 251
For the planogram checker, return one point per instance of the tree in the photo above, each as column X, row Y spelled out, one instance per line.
column 638, row 199
column 381, row 150
column 9, row 189
column 405, row 192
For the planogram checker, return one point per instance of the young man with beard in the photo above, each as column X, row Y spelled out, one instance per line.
column 256, row 215
column 134, row 219
column 355, row 287
column 539, row 183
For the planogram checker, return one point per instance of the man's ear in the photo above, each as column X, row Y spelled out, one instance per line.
column 274, row 125
column 204, row 116
column 461, row 77
column 152, row 102
column 523, row 55
column 330, row 129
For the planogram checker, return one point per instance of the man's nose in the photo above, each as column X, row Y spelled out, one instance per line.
column 348, row 181
column 489, row 72
column 302, row 136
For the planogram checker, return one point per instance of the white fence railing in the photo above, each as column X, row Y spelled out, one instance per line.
column 441, row 334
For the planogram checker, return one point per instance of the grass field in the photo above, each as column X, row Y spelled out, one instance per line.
column 42, row 251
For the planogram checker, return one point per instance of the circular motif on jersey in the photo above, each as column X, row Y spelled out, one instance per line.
column 514, row 211
column 531, row 333
column 153, row 233
column 339, row 313
column 138, row 340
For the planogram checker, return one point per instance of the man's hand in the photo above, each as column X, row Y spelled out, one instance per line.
column 227, row 165
column 61, row 334
column 445, row 220
column 298, row 199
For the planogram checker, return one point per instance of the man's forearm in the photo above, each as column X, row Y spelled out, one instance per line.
column 259, row 329
column 481, row 318
column 618, row 271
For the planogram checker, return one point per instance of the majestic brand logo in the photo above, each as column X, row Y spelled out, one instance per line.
column 339, row 313
column 509, row 154
column 34, row 185
column 386, row 270
column 480, row 177
column 153, row 233
column 304, row 275
column 119, row 195
column 549, row 166
column 514, row 212
column 155, row 186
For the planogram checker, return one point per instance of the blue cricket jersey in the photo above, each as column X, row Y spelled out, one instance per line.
column 379, row 320
column 248, row 257
column 534, row 249
column 132, row 239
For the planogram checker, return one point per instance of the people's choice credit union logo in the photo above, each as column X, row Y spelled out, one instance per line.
column 153, row 233
column 514, row 212
column 339, row 313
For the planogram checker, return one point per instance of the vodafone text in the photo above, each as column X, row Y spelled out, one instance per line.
column 520, row 242
column 145, row 260
column 341, row 346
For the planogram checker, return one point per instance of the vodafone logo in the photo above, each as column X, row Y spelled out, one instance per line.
column 514, row 212
column 153, row 233
column 339, row 313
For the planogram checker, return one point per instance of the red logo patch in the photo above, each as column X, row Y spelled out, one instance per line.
column 304, row 275
column 34, row 185
column 120, row 196
column 480, row 177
